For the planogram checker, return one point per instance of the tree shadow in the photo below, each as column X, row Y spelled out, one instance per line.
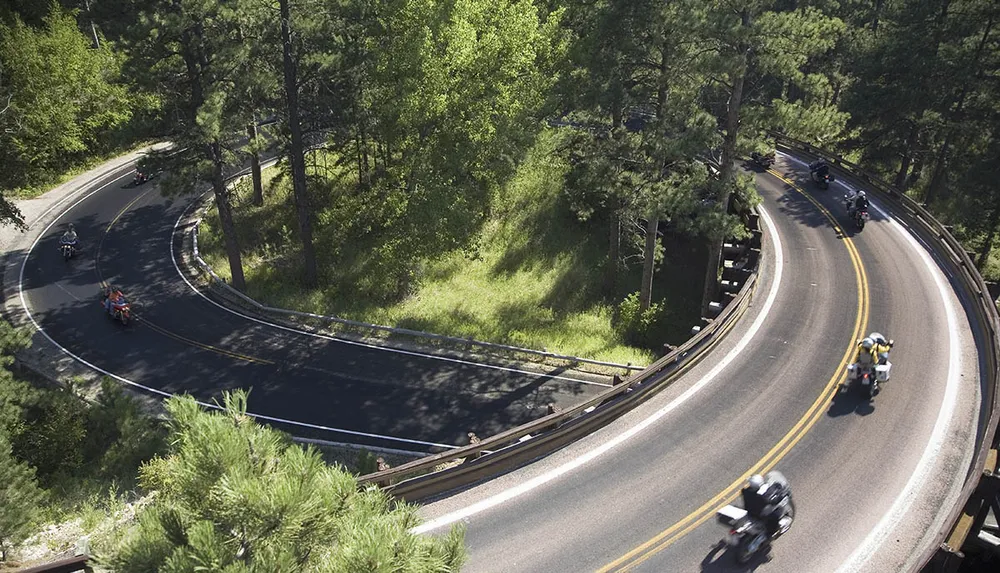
column 722, row 559
column 794, row 205
column 851, row 399
column 181, row 343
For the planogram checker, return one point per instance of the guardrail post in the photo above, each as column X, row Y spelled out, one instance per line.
column 473, row 440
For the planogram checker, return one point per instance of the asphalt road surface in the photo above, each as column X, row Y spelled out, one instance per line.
column 868, row 477
column 181, row 342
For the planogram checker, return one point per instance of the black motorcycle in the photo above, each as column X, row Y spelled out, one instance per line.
column 861, row 217
column 748, row 535
column 762, row 160
column 67, row 250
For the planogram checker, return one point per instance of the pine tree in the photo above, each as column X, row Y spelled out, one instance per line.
column 236, row 496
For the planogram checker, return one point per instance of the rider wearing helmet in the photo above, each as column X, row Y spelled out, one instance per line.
column 872, row 350
column 867, row 353
column 113, row 295
column 759, row 506
column 860, row 202
column 819, row 169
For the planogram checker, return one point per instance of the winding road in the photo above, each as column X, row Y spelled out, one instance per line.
column 319, row 386
column 868, row 477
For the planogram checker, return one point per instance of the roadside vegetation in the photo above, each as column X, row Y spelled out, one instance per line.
column 444, row 199
column 531, row 276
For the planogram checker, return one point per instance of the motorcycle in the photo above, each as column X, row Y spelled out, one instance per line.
column 822, row 181
column 861, row 217
column 763, row 160
column 140, row 178
column 120, row 311
column 871, row 377
column 67, row 250
column 748, row 535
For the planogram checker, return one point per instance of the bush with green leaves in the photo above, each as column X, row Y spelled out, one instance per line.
column 236, row 496
column 638, row 327
column 20, row 499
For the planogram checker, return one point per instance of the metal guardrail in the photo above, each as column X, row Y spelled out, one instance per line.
column 545, row 355
column 512, row 448
column 67, row 565
column 457, row 468
column 945, row 554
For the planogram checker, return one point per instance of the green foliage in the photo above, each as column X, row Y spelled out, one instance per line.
column 20, row 499
column 60, row 98
column 642, row 327
column 236, row 496
column 119, row 436
column 52, row 435
column 529, row 277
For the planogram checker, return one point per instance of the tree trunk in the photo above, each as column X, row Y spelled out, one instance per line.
column 226, row 218
column 904, row 168
column 297, row 152
column 258, row 186
column 915, row 171
column 93, row 28
column 877, row 14
column 648, row 264
column 984, row 252
column 727, row 171
column 614, row 255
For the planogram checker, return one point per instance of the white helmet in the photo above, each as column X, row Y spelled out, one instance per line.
column 755, row 481
column 861, row 193
column 867, row 343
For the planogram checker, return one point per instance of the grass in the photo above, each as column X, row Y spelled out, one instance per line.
column 529, row 278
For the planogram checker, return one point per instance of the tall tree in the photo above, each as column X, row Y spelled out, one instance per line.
column 296, row 149
column 236, row 496
column 759, row 60
column 58, row 98
column 197, row 57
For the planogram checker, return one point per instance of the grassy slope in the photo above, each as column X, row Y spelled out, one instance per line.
column 530, row 279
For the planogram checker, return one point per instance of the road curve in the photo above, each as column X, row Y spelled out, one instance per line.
column 334, row 389
column 868, row 477
column 644, row 500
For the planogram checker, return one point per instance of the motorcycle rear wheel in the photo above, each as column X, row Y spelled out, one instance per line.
column 749, row 547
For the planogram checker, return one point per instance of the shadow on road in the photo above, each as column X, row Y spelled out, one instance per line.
column 722, row 559
column 850, row 399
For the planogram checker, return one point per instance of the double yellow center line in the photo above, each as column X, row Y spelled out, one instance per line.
column 668, row 536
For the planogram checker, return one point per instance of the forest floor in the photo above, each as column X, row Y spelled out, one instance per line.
column 531, row 277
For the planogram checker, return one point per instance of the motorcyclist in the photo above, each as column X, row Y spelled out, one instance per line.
column 759, row 504
column 872, row 350
column 766, row 158
column 113, row 295
column 819, row 169
column 69, row 237
column 860, row 203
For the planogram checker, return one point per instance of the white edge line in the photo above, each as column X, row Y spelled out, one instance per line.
column 877, row 537
column 24, row 304
column 362, row 344
column 589, row 456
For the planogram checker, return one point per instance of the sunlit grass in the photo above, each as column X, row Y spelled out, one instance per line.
column 531, row 278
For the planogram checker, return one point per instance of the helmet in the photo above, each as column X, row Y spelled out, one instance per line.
column 755, row 481
column 861, row 193
column 867, row 343
column 71, row 226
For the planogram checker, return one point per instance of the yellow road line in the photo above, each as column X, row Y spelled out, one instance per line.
column 667, row 537
column 160, row 329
